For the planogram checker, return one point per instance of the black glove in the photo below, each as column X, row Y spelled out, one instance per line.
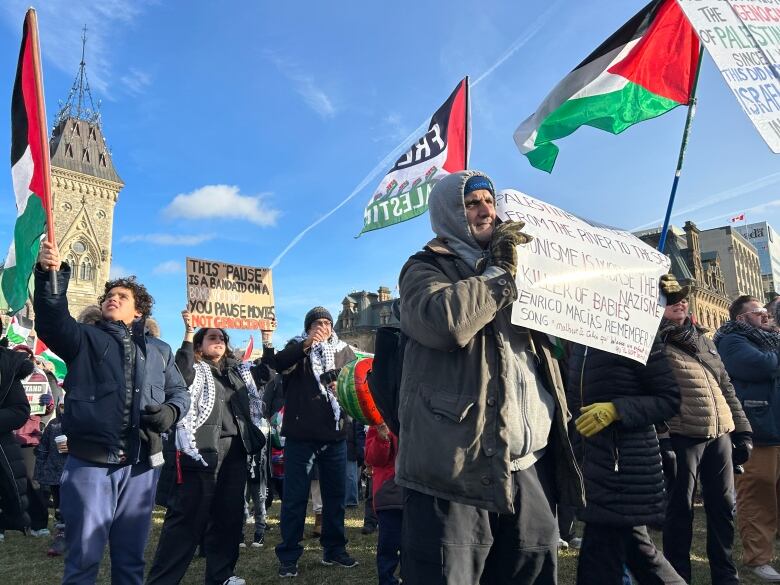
column 328, row 377
column 158, row 417
column 261, row 373
column 665, row 445
column 742, row 447
column 506, row 237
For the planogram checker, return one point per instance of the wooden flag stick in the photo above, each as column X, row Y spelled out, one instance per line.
column 32, row 20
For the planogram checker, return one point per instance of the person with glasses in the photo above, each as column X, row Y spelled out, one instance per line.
column 749, row 346
column 709, row 435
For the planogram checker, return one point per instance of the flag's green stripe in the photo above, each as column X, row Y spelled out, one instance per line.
column 14, row 337
column 612, row 112
column 27, row 232
column 60, row 369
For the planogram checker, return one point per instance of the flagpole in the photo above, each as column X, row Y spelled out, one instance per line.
column 683, row 146
column 44, row 136
column 468, row 124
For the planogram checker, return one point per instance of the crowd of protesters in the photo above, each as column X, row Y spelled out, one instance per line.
column 502, row 435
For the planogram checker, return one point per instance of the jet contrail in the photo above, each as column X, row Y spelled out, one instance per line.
column 391, row 157
column 719, row 198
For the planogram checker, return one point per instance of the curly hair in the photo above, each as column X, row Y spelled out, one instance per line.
column 143, row 300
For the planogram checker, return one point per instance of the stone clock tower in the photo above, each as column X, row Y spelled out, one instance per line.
column 85, row 188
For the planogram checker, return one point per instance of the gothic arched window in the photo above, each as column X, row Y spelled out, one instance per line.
column 87, row 270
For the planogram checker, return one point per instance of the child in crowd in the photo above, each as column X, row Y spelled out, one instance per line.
column 381, row 450
column 50, row 456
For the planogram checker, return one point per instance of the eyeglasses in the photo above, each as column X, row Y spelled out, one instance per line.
column 757, row 311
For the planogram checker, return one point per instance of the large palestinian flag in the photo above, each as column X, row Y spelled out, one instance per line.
column 642, row 71
column 29, row 169
column 443, row 149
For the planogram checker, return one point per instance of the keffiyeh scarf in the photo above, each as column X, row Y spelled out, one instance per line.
column 322, row 356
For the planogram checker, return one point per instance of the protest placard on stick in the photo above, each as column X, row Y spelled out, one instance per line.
column 743, row 38
column 584, row 282
column 230, row 296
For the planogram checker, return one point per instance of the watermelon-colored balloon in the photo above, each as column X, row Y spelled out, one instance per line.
column 353, row 392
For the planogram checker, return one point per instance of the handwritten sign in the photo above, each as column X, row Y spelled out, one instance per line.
column 230, row 296
column 743, row 38
column 590, row 284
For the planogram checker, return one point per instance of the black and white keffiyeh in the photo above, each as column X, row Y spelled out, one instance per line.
column 202, row 399
column 322, row 356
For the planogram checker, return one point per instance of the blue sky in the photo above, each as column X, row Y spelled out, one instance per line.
column 236, row 125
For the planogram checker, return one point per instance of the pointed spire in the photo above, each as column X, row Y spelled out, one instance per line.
column 80, row 104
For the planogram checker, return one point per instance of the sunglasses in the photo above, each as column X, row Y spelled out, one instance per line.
column 758, row 311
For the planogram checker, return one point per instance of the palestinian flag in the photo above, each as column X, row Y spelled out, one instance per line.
column 18, row 330
column 29, row 169
column 443, row 149
column 43, row 352
column 644, row 70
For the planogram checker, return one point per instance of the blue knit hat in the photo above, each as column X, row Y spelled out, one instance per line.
column 478, row 182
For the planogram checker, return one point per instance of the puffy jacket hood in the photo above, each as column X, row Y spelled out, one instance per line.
column 448, row 216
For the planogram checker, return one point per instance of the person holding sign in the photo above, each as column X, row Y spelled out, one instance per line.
column 205, row 468
column 617, row 402
column 123, row 390
column 709, row 435
column 483, row 448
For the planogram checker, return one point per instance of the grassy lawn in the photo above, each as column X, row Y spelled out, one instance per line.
column 23, row 561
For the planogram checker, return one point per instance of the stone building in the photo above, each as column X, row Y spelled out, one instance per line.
column 738, row 259
column 85, row 188
column 702, row 271
column 767, row 244
column 361, row 314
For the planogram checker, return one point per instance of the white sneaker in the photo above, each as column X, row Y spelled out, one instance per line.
column 576, row 543
column 2, row 537
column 766, row 572
column 240, row 545
column 562, row 544
column 40, row 533
column 234, row 581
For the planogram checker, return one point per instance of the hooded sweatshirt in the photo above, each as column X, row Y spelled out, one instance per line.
column 530, row 405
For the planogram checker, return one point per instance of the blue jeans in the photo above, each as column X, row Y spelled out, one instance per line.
column 106, row 504
column 351, row 487
column 299, row 456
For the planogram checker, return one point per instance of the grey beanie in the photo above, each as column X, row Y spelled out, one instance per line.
column 314, row 314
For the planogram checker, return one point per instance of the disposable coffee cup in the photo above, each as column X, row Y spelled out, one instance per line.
column 62, row 443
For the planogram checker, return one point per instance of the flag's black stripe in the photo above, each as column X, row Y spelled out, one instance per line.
column 18, row 111
column 633, row 29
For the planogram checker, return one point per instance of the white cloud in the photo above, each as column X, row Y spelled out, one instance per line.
column 169, row 239
column 169, row 267
column 118, row 271
column 60, row 23
column 136, row 81
column 222, row 202
column 314, row 96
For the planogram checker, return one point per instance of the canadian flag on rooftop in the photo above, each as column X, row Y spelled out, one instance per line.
column 740, row 217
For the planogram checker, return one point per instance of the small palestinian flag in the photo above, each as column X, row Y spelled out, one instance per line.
column 29, row 169
column 43, row 352
column 18, row 330
column 403, row 192
column 644, row 70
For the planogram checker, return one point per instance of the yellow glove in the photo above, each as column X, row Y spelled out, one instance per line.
column 596, row 417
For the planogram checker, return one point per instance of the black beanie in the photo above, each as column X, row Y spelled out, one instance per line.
column 314, row 314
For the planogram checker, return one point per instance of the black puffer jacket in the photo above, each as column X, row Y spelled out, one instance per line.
column 14, row 412
column 624, row 484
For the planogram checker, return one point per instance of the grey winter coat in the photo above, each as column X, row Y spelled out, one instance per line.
column 461, row 401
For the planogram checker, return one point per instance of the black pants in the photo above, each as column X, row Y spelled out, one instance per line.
column 446, row 543
column 369, row 516
column 710, row 462
column 566, row 517
column 607, row 550
column 388, row 547
column 209, row 502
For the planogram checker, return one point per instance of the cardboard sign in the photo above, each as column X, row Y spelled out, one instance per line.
column 743, row 38
column 34, row 390
column 230, row 296
column 590, row 284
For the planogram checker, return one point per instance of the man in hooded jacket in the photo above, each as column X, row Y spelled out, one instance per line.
column 484, row 452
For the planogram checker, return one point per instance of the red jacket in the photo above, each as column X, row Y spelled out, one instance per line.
column 380, row 455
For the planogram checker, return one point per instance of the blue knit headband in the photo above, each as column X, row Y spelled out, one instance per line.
column 477, row 182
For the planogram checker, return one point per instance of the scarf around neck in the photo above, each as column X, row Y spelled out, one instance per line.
column 322, row 356
column 765, row 340
column 685, row 336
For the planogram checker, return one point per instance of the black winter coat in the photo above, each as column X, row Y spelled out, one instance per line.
column 624, row 483
column 14, row 412
column 96, row 420
column 308, row 415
